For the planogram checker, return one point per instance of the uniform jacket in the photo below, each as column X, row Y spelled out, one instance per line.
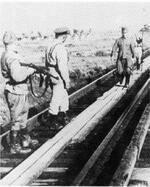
column 57, row 61
column 125, row 48
column 14, row 73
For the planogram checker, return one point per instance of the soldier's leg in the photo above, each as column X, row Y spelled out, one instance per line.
column 26, row 140
column 127, row 79
column 124, row 67
column 54, row 106
column 64, row 106
column 121, row 77
column 16, row 106
column 120, row 74
column 56, row 99
column 128, row 75
column 138, row 63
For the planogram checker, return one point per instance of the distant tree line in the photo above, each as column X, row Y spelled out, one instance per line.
column 76, row 33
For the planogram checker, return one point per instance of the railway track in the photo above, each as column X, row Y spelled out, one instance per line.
column 10, row 161
column 134, row 166
column 78, row 163
column 77, row 104
column 78, row 100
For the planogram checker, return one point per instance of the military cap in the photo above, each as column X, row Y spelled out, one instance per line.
column 124, row 29
column 9, row 37
column 62, row 30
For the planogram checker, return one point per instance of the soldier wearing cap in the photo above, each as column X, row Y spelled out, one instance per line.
column 16, row 91
column 125, row 48
column 138, row 52
column 57, row 61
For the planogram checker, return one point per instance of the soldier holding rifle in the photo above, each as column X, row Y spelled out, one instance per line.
column 125, row 48
column 16, row 92
column 57, row 61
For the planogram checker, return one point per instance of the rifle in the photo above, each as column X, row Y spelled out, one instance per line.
column 40, row 69
column 46, row 80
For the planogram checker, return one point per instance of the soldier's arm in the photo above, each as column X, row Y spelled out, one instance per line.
column 132, row 48
column 18, row 72
column 62, row 60
column 114, row 48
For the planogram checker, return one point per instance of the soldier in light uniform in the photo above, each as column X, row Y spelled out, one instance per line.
column 57, row 61
column 125, row 48
column 16, row 91
column 138, row 52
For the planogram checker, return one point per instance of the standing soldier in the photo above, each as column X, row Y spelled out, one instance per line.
column 16, row 91
column 138, row 52
column 57, row 61
column 124, row 63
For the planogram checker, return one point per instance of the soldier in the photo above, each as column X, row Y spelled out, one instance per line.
column 57, row 61
column 124, row 63
column 138, row 52
column 16, row 91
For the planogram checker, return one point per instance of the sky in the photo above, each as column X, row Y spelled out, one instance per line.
column 44, row 16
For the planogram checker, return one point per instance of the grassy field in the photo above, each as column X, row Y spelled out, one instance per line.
column 88, row 58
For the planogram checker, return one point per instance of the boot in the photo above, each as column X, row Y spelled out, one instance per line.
column 62, row 119
column 121, row 77
column 127, row 81
column 26, row 140
column 15, row 144
column 52, row 121
column 43, row 118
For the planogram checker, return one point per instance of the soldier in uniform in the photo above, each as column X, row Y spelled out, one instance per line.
column 138, row 52
column 16, row 91
column 57, row 61
column 125, row 48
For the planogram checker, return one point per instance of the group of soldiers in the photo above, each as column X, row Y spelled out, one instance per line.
column 16, row 89
column 56, row 59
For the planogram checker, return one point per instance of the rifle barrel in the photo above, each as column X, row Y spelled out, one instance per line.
column 40, row 69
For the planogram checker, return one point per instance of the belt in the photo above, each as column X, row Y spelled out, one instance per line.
column 14, row 83
column 51, row 65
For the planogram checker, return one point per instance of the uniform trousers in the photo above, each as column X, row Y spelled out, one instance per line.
column 138, row 56
column 59, row 101
column 124, row 69
column 18, row 106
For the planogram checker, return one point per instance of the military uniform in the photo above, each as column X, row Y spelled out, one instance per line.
column 16, row 91
column 138, row 53
column 57, row 61
column 124, row 63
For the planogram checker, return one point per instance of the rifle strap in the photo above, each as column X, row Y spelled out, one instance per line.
column 48, row 60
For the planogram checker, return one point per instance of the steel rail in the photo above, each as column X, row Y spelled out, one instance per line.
column 125, row 169
column 34, row 165
column 82, row 178
column 78, row 94
column 73, row 97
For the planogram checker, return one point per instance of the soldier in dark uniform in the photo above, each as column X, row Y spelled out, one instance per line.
column 125, row 48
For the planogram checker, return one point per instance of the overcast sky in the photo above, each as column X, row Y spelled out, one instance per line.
column 43, row 16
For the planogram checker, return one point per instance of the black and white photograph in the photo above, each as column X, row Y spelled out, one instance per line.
column 74, row 93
